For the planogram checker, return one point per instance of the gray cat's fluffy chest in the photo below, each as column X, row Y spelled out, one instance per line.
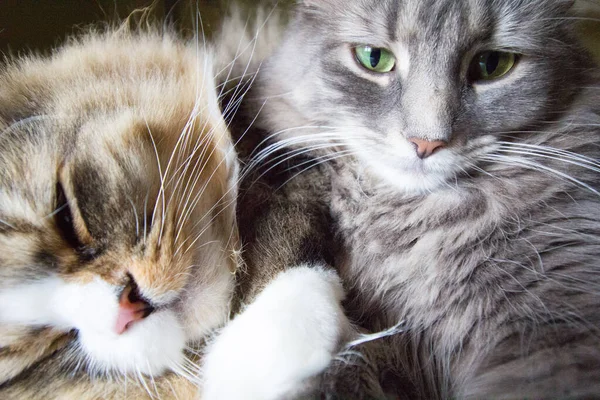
column 480, row 273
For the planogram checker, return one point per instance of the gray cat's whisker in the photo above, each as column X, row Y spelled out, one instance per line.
column 544, row 149
column 288, row 142
column 286, row 157
column 550, row 156
column 272, row 136
column 326, row 159
column 259, row 159
column 536, row 166
column 309, row 149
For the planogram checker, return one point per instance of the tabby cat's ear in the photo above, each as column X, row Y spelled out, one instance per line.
column 318, row 4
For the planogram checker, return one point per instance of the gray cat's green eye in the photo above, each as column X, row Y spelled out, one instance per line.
column 491, row 65
column 375, row 59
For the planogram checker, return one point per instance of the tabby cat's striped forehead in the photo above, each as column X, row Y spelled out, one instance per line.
column 117, row 189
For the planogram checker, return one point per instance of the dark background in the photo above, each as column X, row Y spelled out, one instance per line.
column 42, row 24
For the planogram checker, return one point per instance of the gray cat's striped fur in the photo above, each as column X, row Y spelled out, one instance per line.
column 489, row 250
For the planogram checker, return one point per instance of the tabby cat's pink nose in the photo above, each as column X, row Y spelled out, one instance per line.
column 425, row 148
column 132, row 308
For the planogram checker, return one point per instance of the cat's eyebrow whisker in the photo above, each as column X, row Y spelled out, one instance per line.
column 253, row 42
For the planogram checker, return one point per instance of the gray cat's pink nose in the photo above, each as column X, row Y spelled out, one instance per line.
column 425, row 148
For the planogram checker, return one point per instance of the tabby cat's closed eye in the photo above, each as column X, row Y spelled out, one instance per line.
column 64, row 219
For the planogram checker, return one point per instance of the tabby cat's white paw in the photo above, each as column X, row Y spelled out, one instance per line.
column 287, row 335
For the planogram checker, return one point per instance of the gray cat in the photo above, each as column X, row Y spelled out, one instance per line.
column 464, row 143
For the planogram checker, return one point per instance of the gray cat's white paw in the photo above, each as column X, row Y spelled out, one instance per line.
column 286, row 336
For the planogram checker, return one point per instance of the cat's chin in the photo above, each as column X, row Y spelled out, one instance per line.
column 150, row 347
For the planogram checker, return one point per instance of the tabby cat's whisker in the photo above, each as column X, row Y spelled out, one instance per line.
column 26, row 121
column 152, row 380
column 227, row 111
column 184, row 214
column 309, row 149
column 161, row 191
column 207, row 225
column 137, row 220
column 143, row 382
column 12, row 226
column 146, row 215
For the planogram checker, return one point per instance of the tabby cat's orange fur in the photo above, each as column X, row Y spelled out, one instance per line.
column 117, row 235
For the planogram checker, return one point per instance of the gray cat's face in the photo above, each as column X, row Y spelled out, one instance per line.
column 420, row 90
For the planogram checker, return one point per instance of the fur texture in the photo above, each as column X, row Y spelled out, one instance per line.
column 118, row 190
column 489, row 248
column 117, row 172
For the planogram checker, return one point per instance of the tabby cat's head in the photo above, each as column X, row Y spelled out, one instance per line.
column 421, row 90
column 117, row 197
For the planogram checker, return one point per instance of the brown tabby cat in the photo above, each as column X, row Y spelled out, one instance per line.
column 118, row 235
